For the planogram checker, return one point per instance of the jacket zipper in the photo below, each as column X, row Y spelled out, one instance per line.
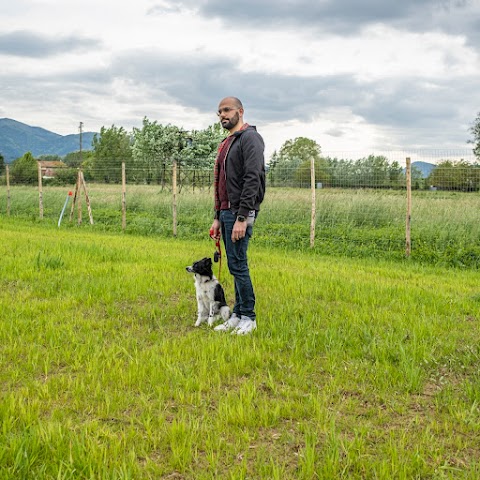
column 225, row 169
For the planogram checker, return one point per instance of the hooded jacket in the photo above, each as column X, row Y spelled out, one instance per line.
column 245, row 172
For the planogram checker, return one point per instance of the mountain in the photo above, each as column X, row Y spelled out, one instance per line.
column 17, row 138
column 425, row 167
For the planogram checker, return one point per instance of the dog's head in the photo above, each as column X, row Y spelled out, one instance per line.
column 203, row 267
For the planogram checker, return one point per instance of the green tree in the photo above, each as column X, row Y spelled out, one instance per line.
column 301, row 147
column 456, row 175
column 370, row 172
column 74, row 159
column 293, row 153
column 202, row 152
column 396, row 174
column 25, row 170
column 197, row 155
column 2, row 164
column 418, row 182
column 110, row 149
column 475, row 129
column 342, row 172
column 154, row 148
column 65, row 176
column 375, row 171
column 303, row 173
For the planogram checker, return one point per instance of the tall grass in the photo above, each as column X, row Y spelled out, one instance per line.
column 359, row 368
column 353, row 223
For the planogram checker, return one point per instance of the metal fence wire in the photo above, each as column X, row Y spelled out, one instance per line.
column 399, row 207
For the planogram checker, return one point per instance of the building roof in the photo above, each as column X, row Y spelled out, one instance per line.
column 52, row 164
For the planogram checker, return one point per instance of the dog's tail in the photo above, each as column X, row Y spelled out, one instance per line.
column 225, row 312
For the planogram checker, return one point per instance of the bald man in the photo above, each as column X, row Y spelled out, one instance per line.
column 239, row 186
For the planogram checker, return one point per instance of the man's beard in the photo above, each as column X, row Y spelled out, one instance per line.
column 232, row 122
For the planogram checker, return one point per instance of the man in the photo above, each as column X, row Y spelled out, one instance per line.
column 239, row 185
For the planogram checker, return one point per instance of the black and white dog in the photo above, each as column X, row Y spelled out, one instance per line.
column 210, row 295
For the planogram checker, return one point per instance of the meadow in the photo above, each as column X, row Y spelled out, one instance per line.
column 362, row 223
column 360, row 368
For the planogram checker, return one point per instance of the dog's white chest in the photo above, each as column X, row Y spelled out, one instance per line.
column 205, row 287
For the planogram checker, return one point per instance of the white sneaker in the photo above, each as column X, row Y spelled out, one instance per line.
column 246, row 326
column 230, row 324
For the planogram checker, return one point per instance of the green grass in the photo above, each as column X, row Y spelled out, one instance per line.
column 445, row 226
column 359, row 368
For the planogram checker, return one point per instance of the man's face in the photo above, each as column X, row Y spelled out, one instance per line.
column 229, row 115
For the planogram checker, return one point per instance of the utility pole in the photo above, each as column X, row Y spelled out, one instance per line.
column 80, row 128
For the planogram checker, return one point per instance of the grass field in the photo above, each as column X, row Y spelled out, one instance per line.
column 359, row 369
column 352, row 223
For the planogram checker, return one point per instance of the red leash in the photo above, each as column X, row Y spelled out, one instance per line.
column 217, row 256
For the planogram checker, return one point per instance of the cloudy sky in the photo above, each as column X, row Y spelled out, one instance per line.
column 359, row 76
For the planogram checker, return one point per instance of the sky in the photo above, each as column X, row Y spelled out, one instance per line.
column 359, row 77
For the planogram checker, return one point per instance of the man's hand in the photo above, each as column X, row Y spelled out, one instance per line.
column 239, row 230
column 215, row 231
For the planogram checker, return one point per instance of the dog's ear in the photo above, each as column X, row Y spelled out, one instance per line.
column 206, row 261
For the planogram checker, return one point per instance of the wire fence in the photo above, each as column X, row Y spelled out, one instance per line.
column 426, row 209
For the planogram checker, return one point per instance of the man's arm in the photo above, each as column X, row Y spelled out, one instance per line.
column 254, row 165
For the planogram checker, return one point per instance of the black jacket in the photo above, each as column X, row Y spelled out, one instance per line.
column 245, row 171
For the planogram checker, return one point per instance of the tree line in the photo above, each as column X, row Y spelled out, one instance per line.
column 291, row 166
column 149, row 152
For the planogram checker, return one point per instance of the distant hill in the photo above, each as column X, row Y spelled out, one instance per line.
column 425, row 167
column 17, row 138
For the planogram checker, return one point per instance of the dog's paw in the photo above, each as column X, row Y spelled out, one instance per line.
column 200, row 321
column 211, row 321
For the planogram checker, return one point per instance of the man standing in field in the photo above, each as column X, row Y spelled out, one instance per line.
column 239, row 186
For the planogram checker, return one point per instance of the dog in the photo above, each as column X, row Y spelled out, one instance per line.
column 211, row 304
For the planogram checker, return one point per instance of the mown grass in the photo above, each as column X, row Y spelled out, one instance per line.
column 445, row 226
column 359, row 368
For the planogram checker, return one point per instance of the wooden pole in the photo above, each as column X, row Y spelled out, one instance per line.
column 124, row 198
column 7, row 173
column 174, row 199
column 87, row 199
column 75, row 195
column 79, row 199
column 314, row 208
column 40, row 190
column 80, row 128
column 408, row 242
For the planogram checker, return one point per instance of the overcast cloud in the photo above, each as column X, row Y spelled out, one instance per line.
column 30, row 44
column 356, row 76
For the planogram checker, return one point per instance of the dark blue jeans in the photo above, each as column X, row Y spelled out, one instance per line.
column 238, row 265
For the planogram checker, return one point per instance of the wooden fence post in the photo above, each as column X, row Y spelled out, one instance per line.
column 124, row 198
column 408, row 242
column 77, row 198
column 7, row 173
column 314, row 208
column 174, row 193
column 87, row 198
column 40, row 189
column 75, row 195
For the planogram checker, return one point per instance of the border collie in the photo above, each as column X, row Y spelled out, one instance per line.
column 211, row 302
